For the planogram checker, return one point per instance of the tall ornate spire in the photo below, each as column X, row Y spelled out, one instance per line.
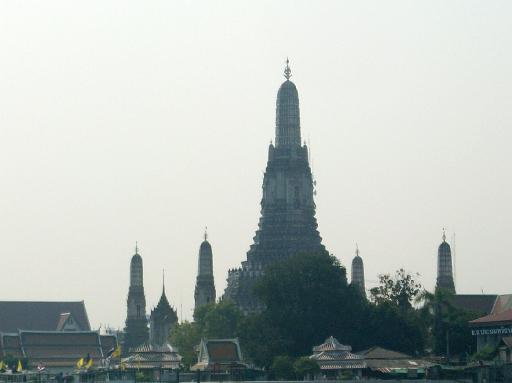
column 358, row 272
column 136, row 331
column 205, row 284
column 287, row 113
column 444, row 266
column 287, row 224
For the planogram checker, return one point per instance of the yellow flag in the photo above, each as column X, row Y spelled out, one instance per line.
column 20, row 367
column 117, row 352
column 80, row 363
column 2, row 365
column 89, row 364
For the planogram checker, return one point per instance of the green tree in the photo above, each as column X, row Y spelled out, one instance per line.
column 282, row 367
column 186, row 336
column 390, row 327
column 305, row 367
column 447, row 325
column 218, row 320
column 400, row 289
column 307, row 298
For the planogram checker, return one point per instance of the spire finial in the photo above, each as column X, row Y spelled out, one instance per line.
column 357, row 250
column 444, row 235
column 163, row 281
column 287, row 70
column 136, row 247
column 206, row 233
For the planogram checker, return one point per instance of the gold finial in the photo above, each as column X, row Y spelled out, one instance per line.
column 287, row 70
column 163, row 281
column 444, row 234
column 357, row 250
column 206, row 233
column 136, row 247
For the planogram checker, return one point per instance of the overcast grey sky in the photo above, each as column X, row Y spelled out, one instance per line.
column 124, row 121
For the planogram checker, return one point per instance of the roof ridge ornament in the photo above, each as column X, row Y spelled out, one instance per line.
column 287, row 70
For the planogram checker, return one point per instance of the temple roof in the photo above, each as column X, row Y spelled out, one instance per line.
column 40, row 316
column 505, row 316
column 149, row 356
column 478, row 303
column 331, row 344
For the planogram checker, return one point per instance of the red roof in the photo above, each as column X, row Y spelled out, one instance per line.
column 505, row 316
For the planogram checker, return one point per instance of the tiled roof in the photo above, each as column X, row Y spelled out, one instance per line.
column 377, row 352
column 223, row 351
column 504, row 316
column 379, row 364
column 40, row 316
column 335, row 355
column 503, row 303
column 478, row 303
column 348, row 365
column 331, row 343
column 153, row 357
column 61, row 349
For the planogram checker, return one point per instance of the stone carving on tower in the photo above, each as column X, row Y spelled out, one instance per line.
column 205, row 284
column 136, row 330
column 357, row 278
column 287, row 225
column 444, row 267
column 162, row 319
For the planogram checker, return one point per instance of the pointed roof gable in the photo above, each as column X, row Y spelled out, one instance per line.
column 40, row 316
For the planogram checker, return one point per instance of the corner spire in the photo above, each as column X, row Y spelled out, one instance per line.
column 287, row 70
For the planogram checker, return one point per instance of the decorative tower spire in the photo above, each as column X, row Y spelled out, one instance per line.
column 205, row 284
column 358, row 272
column 444, row 266
column 287, row 113
column 136, row 330
column 136, row 247
column 287, row 70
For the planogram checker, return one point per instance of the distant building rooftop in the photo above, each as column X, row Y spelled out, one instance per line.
column 42, row 316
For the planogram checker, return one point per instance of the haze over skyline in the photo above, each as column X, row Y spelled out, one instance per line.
column 135, row 121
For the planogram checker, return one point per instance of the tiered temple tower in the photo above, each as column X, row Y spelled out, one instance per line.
column 444, row 267
column 162, row 320
column 205, row 284
column 357, row 278
column 136, row 330
column 287, row 225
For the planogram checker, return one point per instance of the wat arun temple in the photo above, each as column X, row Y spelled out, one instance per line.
column 287, row 225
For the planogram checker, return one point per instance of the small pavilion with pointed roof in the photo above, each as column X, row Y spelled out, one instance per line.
column 333, row 357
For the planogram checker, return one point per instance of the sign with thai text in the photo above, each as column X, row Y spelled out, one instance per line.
column 492, row 331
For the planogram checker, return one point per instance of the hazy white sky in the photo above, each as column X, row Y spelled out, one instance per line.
column 124, row 121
